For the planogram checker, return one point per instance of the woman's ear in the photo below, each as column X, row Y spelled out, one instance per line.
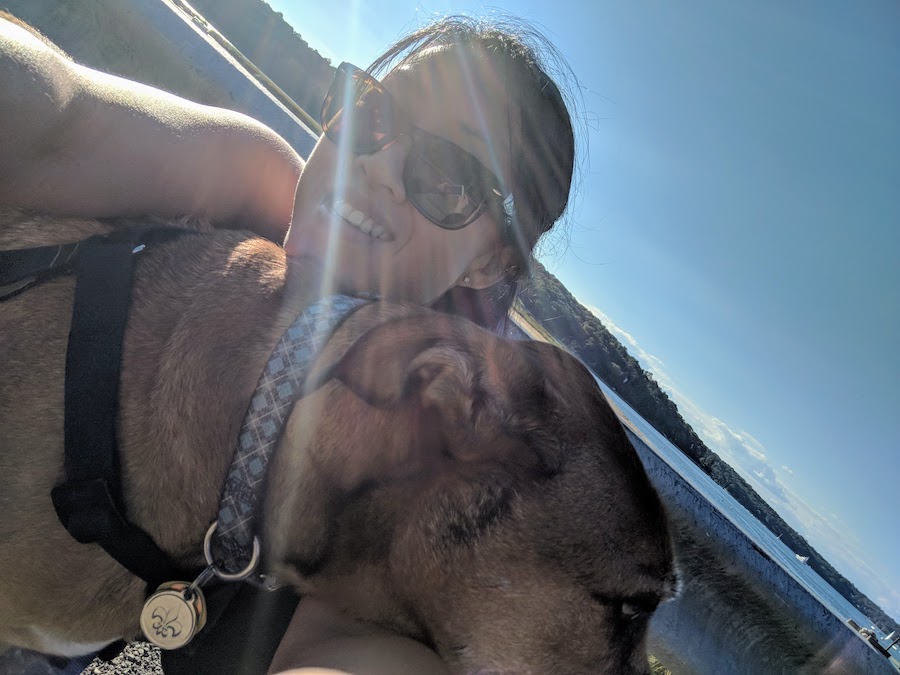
column 487, row 269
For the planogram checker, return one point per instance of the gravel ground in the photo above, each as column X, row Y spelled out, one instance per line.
column 139, row 658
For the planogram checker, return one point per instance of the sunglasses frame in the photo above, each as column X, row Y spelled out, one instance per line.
column 503, row 206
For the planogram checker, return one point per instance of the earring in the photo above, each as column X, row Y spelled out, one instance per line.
column 466, row 280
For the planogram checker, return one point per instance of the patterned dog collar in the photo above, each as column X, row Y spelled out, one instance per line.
column 278, row 389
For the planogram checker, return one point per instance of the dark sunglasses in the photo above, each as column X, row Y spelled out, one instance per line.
column 447, row 185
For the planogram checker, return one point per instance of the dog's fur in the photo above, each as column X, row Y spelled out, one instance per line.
column 468, row 491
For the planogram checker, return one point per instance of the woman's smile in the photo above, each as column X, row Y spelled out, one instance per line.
column 358, row 219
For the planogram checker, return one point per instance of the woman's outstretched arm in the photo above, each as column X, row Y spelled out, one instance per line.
column 79, row 142
column 320, row 641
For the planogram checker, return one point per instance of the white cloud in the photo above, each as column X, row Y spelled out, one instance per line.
column 825, row 531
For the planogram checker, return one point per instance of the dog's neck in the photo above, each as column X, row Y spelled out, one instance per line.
column 204, row 319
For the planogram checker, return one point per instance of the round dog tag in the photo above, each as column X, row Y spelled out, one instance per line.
column 169, row 619
column 196, row 597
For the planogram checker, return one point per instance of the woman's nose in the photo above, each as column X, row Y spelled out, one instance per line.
column 385, row 167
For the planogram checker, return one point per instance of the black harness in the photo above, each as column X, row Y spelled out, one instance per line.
column 90, row 502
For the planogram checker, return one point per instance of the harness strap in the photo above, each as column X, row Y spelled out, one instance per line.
column 90, row 502
column 32, row 266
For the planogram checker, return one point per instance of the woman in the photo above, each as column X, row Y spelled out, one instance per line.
column 431, row 186
column 459, row 216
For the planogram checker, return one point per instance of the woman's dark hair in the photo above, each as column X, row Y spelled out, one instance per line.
column 542, row 142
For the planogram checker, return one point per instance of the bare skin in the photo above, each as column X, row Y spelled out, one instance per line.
column 72, row 138
column 320, row 640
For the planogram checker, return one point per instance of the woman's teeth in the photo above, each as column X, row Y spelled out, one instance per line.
column 359, row 220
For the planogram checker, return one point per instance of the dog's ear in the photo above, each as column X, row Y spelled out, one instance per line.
column 424, row 356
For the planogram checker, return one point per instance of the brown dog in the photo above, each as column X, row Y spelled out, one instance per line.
column 462, row 489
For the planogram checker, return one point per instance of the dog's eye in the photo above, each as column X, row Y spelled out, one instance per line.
column 629, row 609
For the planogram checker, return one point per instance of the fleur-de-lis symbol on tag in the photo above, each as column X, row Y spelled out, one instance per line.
column 165, row 624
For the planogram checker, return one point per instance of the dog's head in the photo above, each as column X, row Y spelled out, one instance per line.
column 472, row 492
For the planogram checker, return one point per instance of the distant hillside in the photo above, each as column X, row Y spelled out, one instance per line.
column 584, row 334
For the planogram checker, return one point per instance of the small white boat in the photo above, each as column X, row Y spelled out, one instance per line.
column 801, row 558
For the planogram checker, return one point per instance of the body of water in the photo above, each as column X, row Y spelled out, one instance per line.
column 758, row 533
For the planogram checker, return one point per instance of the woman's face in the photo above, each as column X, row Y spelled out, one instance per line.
column 449, row 92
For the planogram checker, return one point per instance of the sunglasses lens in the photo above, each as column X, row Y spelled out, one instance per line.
column 357, row 110
column 444, row 182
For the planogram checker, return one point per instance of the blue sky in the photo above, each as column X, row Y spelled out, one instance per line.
column 738, row 226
